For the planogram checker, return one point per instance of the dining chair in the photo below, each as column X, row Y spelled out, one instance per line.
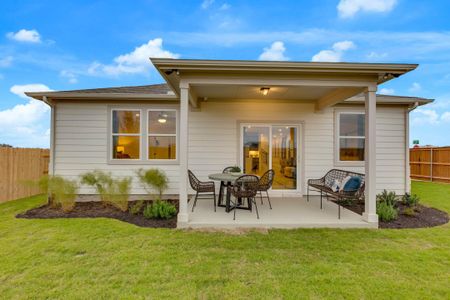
column 264, row 184
column 227, row 169
column 203, row 189
column 245, row 187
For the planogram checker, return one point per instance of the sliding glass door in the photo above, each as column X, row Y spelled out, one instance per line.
column 274, row 147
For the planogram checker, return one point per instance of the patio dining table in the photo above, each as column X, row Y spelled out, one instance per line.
column 226, row 180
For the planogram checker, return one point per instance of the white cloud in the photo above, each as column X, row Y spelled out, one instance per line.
column 6, row 61
column 207, row 3
column 71, row 76
column 134, row 62
column 425, row 116
column 275, row 52
column 376, row 56
column 386, row 91
column 446, row 116
column 415, row 87
column 22, row 125
column 334, row 55
column 349, row 8
column 24, row 35
column 225, row 6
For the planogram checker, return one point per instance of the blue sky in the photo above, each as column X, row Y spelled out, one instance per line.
column 62, row 45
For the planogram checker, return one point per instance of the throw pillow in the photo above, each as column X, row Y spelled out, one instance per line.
column 345, row 180
column 336, row 185
column 353, row 184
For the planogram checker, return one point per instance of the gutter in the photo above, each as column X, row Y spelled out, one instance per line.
column 415, row 105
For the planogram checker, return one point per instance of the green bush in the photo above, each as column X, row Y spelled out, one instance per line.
column 113, row 191
column 153, row 179
column 160, row 210
column 410, row 200
column 136, row 207
column 390, row 198
column 62, row 192
column 386, row 212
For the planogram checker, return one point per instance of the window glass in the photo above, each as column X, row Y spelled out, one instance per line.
column 351, row 136
column 126, row 121
column 126, row 134
column 351, row 149
column 352, row 125
column 162, row 122
column 162, row 134
column 162, row 147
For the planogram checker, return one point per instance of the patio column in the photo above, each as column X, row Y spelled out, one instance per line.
column 370, row 211
column 183, row 216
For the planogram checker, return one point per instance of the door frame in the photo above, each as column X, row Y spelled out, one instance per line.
column 300, row 167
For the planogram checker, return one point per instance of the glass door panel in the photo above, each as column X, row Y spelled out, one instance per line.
column 256, row 148
column 284, row 157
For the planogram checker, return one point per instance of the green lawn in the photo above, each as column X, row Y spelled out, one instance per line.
column 101, row 258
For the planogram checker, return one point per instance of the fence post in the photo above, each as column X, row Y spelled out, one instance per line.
column 431, row 164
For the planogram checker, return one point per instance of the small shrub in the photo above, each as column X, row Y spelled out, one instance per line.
column 160, row 210
column 390, row 198
column 113, row 191
column 409, row 211
column 153, row 179
column 62, row 192
column 386, row 212
column 136, row 207
column 410, row 200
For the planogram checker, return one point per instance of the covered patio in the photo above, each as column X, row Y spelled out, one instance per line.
column 234, row 91
column 290, row 212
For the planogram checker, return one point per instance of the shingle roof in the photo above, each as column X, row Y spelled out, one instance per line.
column 156, row 89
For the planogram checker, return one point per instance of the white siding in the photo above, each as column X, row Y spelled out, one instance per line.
column 82, row 133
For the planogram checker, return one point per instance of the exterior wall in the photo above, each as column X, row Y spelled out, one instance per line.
column 82, row 132
column 214, row 138
column 81, row 145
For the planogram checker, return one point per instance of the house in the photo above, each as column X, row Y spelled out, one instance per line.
column 299, row 118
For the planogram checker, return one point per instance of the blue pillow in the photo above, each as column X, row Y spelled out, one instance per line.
column 353, row 184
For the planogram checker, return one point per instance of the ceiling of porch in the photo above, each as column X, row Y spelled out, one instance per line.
column 241, row 92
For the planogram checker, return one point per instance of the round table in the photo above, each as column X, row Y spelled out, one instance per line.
column 226, row 180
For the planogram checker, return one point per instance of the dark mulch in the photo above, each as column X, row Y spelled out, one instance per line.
column 95, row 209
column 424, row 216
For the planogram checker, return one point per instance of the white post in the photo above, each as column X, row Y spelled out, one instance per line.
column 370, row 211
column 183, row 216
column 407, row 158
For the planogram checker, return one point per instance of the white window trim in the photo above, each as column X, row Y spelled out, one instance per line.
column 143, row 160
column 337, row 139
column 112, row 134
column 149, row 134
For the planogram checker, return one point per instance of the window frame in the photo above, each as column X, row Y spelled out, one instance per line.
column 149, row 134
column 143, row 150
column 112, row 134
column 338, row 137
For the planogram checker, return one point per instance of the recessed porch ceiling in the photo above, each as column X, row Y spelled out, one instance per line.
column 240, row 92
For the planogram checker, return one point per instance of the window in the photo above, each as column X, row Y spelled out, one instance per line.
column 126, row 134
column 162, row 134
column 351, row 136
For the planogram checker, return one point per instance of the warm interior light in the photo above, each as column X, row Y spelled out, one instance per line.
column 162, row 120
column 264, row 90
column 120, row 149
column 253, row 153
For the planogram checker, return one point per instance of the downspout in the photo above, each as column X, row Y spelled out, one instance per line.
column 407, row 162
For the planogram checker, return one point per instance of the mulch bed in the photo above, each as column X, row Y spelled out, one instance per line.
column 96, row 209
column 424, row 216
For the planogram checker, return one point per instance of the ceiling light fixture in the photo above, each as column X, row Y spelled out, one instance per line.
column 162, row 118
column 264, row 90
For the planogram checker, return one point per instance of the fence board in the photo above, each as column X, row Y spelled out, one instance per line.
column 430, row 164
column 18, row 165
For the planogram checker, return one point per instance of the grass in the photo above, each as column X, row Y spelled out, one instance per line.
column 103, row 258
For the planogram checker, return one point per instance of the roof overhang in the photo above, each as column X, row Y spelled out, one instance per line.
column 173, row 69
column 98, row 96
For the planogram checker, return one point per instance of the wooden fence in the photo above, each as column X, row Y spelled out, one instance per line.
column 18, row 165
column 430, row 164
